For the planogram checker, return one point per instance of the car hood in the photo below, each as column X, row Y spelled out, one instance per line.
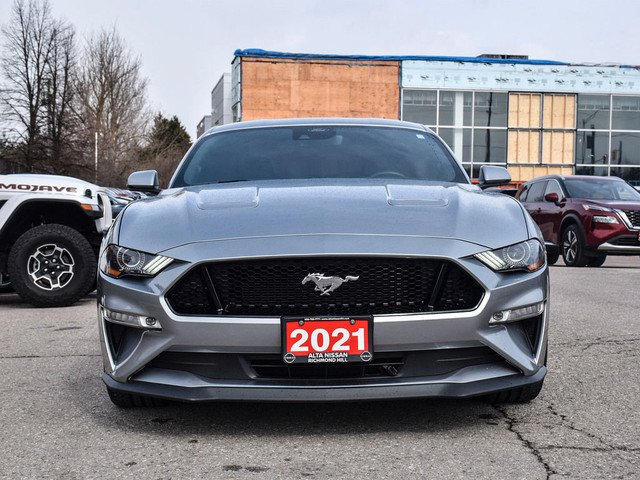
column 321, row 207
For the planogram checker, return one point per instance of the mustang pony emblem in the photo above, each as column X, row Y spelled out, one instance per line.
column 326, row 285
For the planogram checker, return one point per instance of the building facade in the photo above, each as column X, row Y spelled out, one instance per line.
column 220, row 106
column 535, row 117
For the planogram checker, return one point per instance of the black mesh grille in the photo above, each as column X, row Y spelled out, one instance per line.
column 258, row 367
column 275, row 288
column 633, row 216
column 625, row 241
column 191, row 295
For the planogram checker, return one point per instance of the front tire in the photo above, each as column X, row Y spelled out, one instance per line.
column 52, row 266
column 552, row 256
column 132, row 400
column 596, row 261
column 516, row 395
column 573, row 247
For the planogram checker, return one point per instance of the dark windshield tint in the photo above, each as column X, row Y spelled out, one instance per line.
column 319, row 152
column 595, row 189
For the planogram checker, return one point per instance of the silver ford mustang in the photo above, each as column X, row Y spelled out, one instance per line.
column 322, row 260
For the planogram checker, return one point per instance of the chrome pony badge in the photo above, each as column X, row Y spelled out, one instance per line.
column 326, row 285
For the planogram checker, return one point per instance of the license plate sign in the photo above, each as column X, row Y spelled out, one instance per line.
column 327, row 340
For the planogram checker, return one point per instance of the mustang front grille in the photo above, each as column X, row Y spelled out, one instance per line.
column 324, row 286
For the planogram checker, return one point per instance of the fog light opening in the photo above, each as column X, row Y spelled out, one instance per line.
column 132, row 320
column 515, row 314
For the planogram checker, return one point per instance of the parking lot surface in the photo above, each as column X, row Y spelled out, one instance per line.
column 57, row 421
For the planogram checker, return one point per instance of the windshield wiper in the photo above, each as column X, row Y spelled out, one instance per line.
column 232, row 181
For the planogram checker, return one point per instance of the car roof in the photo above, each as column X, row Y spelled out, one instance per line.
column 285, row 122
column 574, row 177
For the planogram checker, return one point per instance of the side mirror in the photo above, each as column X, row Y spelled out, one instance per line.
column 144, row 181
column 552, row 197
column 493, row 176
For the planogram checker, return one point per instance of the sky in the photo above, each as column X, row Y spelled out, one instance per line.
column 185, row 46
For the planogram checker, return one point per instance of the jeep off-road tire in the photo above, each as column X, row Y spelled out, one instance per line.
column 52, row 266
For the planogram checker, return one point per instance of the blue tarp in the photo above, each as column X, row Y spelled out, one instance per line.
column 258, row 53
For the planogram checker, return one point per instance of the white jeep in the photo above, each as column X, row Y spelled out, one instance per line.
column 50, row 232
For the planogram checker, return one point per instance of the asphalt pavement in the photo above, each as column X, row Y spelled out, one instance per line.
column 56, row 420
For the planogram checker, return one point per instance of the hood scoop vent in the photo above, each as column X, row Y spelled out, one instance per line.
column 232, row 197
column 415, row 195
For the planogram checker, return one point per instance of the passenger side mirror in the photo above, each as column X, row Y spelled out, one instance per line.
column 144, row 181
column 493, row 176
column 551, row 197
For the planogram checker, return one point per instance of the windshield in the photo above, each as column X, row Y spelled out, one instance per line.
column 601, row 189
column 309, row 151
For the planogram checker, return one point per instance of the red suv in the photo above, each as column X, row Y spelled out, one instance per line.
column 585, row 218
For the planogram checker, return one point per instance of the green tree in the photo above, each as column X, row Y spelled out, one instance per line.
column 167, row 144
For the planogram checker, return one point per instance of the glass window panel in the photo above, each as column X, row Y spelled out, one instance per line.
column 490, row 109
column 592, row 147
column 536, row 192
column 467, row 168
column 626, row 113
column 593, row 112
column 489, row 146
column 625, row 149
column 554, row 187
column 455, row 108
column 420, row 106
column 630, row 174
column 459, row 140
column 600, row 171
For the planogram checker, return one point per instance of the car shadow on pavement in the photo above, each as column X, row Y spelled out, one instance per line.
column 269, row 419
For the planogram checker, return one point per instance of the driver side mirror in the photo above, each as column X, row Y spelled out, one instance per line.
column 552, row 197
column 144, row 181
column 493, row 176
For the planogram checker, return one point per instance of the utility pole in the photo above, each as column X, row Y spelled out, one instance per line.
column 96, row 157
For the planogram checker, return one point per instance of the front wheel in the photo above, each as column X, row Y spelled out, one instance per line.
column 52, row 266
column 573, row 247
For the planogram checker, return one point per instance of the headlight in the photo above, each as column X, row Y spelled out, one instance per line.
column 605, row 219
column 117, row 261
column 596, row 208
column 527, row 256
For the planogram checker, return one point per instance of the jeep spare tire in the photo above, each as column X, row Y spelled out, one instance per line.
column 52, row 266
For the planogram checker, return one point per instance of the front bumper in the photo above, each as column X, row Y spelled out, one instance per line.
column 465, row 384
column 519, row 361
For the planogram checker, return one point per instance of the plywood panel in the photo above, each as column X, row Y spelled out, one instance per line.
column 524, row 110
column 524, row 147
column 557, row 147
column 559, row 111
column 319, row 89
column 524, row 173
